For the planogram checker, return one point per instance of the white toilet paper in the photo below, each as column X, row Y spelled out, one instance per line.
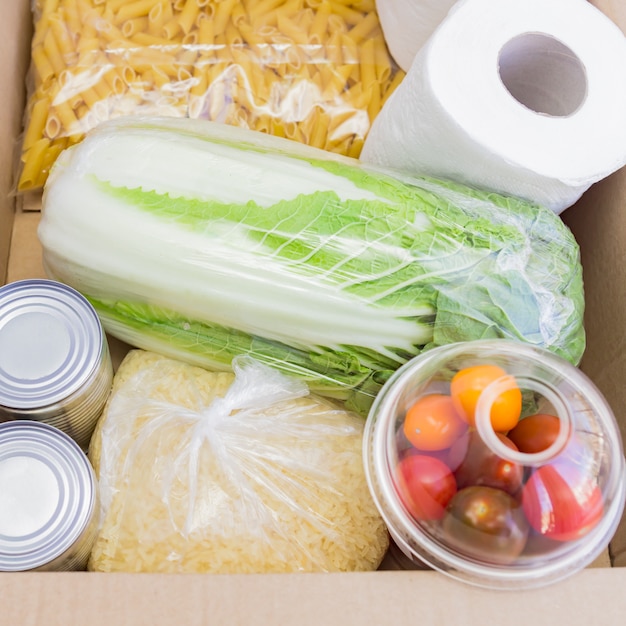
column 407, row 24
column 524, row 97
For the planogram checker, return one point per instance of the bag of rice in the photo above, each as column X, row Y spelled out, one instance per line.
column 242, row 472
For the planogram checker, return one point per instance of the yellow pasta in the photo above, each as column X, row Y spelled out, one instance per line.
column 238, row 15
column 130, row 10
column 53, row 53
column 395, row 81
column 44, row 70
column 373, row 102
column 114, row 80
column 316, row 71
column 382, row 61
column 135, row 25
column 64, row 40
column 38, row 116
column 90, row 97
column 319, row 132
column 160, row 13
column 363, row 28
column 222, row 13
column 289, row 29
column 151, row 41
column 172, row 28
column 349, row 15
column 188, row 15
column 367, row 66
column 33, row 174
column 72, row 17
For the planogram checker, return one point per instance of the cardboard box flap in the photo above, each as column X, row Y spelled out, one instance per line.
column 396, row 598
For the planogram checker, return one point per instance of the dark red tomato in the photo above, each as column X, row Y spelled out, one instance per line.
column 535, row 432
column 561, row 502
column 486, row 524
column 425, row 485
column 479, row 465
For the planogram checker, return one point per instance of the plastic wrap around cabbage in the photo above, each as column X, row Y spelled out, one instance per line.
column 203, row 241
column 213, row 472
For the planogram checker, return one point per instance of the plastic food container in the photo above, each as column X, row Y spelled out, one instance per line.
column 496, row 463
column 55, row 365
column 48, row 499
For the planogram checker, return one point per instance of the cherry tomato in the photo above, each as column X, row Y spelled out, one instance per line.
column 425, row 485
column 561, row 502
column 406, row 448
column 432, row 423
column 486, row 524
column 481, row 466
column 467, row 385
column 535, row 433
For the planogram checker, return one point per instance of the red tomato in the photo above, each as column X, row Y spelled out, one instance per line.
column 481, row 466
column 561, row 502
column 486, row 524
column 432, row 423
column 468, row 384
column 425, row 485
column 535, row 433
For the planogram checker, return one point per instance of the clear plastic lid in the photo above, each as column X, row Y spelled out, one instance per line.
column 496, row 463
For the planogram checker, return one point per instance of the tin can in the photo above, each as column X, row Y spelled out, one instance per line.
column 55, row 365
column 48, row 499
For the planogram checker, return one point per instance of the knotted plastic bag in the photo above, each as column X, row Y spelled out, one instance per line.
column 230, row 473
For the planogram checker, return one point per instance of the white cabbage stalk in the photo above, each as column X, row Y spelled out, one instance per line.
column 203, row 241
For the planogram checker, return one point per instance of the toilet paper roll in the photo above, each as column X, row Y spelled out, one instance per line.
column 524, row 97
column 407, row 24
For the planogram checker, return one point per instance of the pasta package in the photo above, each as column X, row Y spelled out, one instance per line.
column 316, row 71
column 238, row 472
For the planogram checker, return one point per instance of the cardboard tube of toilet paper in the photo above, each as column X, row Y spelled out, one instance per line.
column 522, row 97
column 407, row 25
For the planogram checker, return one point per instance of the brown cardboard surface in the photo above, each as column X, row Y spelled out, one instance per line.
column 593, row 596
column 394, row 598
column 594, row 220
column 16, row 15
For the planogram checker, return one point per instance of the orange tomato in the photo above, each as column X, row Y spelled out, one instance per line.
column 468, row 384
column 432, row 423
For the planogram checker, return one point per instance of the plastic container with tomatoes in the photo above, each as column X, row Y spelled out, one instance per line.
column 497, row 463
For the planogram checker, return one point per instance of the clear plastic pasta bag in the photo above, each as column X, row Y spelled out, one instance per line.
column 316, row 71
column 242, row 472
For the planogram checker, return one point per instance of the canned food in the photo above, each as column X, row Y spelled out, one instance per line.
column 48, row 499
column 55, row 365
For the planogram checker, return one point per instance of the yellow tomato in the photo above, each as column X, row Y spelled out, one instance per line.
column 469, row 383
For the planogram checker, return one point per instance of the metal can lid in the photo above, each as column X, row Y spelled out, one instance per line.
column 50, row 343
column 47, row 494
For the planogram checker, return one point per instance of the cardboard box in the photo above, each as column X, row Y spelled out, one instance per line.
column 595, row 595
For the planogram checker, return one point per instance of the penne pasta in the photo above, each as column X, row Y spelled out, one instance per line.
column 43, row 69
column 38, row 116
column 316, row 71
column 135, row 25
column 188, row 15
column 367, row 65
column 221, row 17
column 53, row 54
column 364, row 27
column 33, row 174
column 130, row 10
